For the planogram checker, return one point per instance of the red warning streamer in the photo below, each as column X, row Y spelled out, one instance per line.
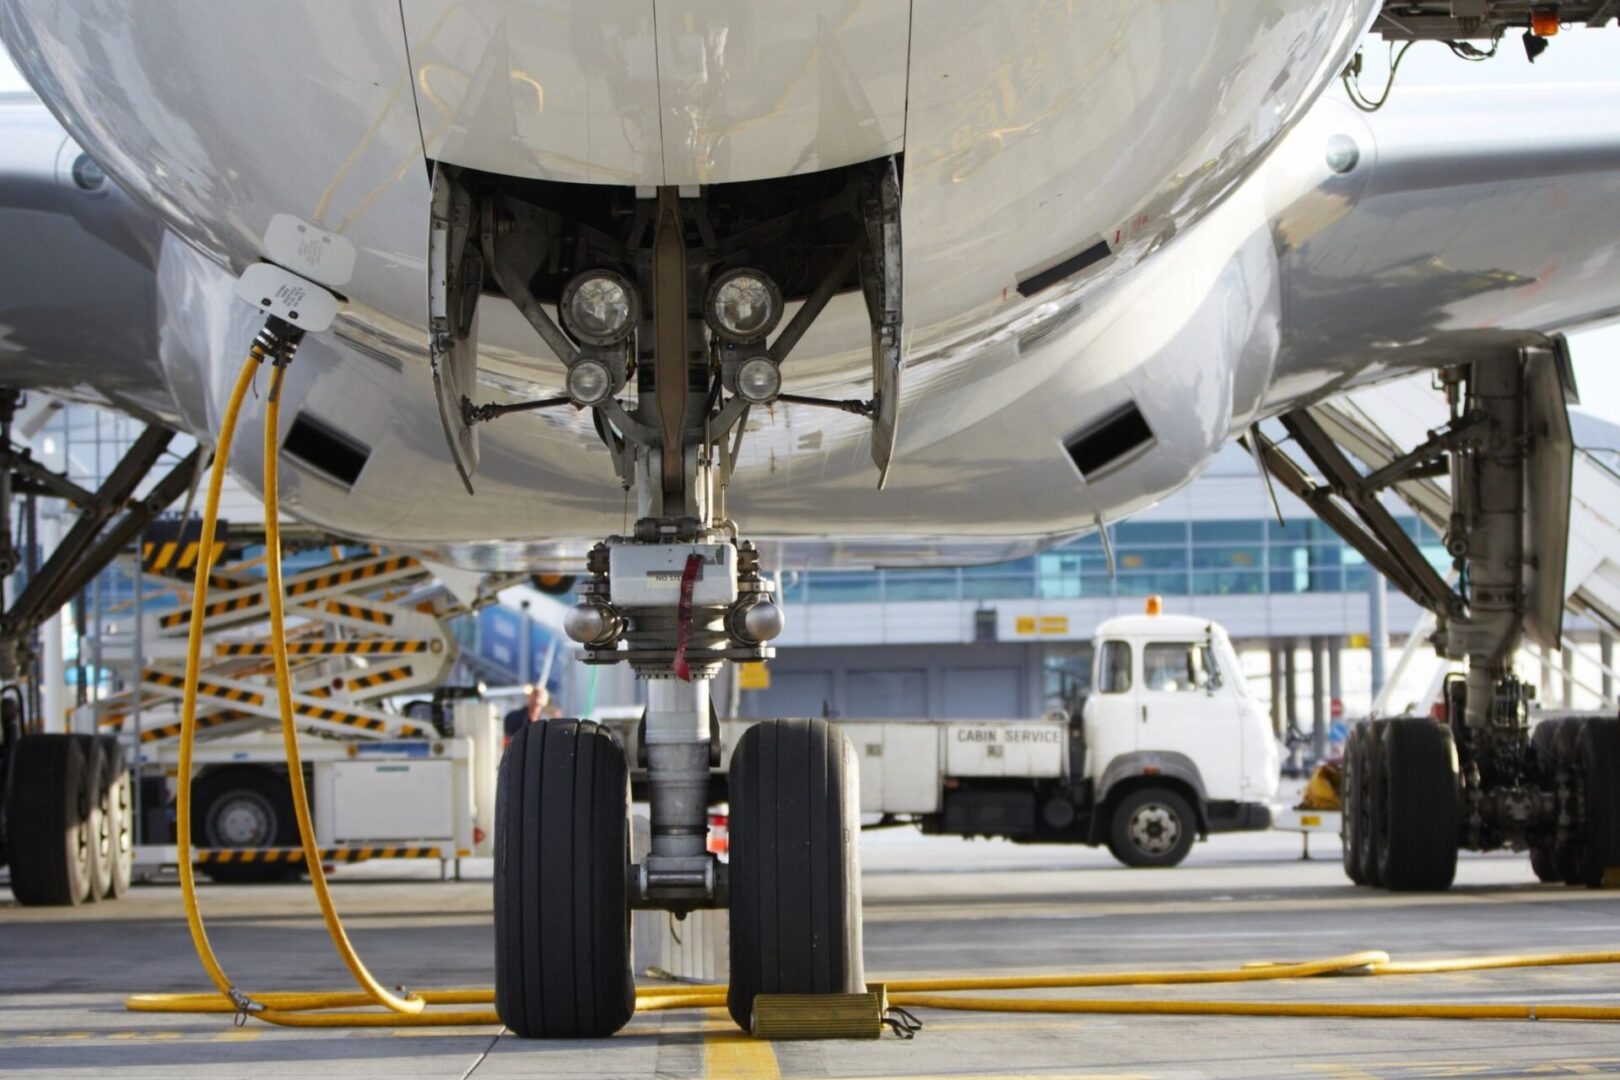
column 683, row 632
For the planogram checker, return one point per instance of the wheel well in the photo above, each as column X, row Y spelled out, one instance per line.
column 1119, row 791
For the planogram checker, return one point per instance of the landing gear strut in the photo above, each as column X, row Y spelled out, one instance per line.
column 1417, row 790
column 675, row 298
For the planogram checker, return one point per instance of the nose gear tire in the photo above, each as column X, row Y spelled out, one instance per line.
column 1419, row 806
column 1152, row 827
column 795, row 875
column 562, row 915
column 48, row 815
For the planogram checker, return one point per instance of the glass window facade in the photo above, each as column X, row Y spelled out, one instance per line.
column 1237, row 557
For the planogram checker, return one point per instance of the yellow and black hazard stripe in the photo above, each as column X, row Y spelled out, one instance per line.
column 244, row 856
column 160, row 556
column 354, row 720
column 372, row 647
column 171, row 731
column 218, row 607
column 362, row 614
column 169, row 680
column 372, row 679
column 352, row 575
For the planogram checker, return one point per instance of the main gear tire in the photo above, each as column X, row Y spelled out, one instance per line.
column 1598, row 777
column 1422, row 801
column 51, row 830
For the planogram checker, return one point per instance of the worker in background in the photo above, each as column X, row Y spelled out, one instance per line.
column 536, row 702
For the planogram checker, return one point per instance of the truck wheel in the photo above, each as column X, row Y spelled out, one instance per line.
column 48, row 815
column 1597, row 766
column 118, row 810
column 795, row 874
column 562, row 917
column 1418, row 836
column 1353, row 805
column 1152, row 827
column 241, row 809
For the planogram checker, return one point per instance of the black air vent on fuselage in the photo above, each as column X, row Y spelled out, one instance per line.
column 1108, row 441
column 1069, row 267
column 326, row 450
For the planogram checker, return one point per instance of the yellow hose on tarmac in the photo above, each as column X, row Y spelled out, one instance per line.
column 942, row 993
column 289, row 732
column 288, row 1005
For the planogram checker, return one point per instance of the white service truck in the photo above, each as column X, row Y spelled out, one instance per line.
column 1169, row 746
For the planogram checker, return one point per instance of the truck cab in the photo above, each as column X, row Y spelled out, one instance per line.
column 1175, row 745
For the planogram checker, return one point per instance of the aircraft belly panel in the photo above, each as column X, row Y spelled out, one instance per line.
column 539, row 88
column 779, row 87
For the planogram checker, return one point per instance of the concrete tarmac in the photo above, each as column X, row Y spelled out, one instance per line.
column 933, row 906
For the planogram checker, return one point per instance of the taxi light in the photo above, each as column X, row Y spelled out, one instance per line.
column 1544, row 22
column 1155, row 605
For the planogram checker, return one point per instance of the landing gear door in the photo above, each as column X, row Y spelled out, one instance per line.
column 455, row 279
column 883, row 286
column 1549, row 389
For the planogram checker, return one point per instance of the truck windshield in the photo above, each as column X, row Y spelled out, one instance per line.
column 1114, row 668
column 1179, row 666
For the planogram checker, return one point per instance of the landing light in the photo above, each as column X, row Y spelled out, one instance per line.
column 759, row 380
column 589, row 382
column 600, row 307
column 744, row 305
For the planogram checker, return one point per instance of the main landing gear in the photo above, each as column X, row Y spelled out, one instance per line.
column 1480, row 776
column 668, row 305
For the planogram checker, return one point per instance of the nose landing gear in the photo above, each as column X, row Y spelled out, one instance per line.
column 671, row 383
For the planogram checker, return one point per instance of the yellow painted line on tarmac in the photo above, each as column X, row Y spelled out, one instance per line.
column 731, row 1055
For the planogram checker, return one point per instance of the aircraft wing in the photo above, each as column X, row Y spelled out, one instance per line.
column 1464, row 219
column 78, row 284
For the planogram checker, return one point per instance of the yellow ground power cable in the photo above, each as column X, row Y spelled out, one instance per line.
column 289, row 731
column 288, row 1005
column 943, row 993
